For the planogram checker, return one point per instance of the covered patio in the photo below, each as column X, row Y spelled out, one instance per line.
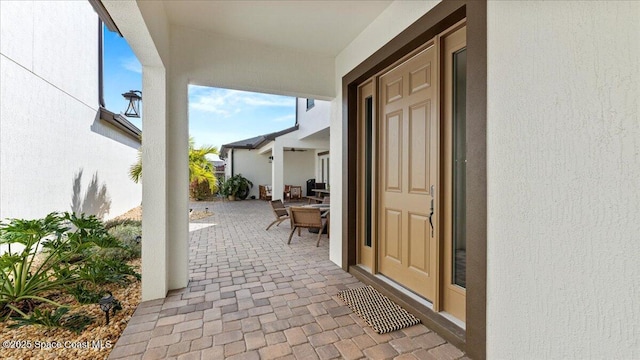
column 252, row 296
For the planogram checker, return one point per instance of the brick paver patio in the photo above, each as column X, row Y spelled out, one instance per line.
column 252, row 296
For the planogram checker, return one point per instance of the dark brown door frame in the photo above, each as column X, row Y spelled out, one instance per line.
column 438, row 19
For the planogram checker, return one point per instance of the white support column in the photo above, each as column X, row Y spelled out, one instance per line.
column 178, row 184
column 154, row 184
column 277, row 170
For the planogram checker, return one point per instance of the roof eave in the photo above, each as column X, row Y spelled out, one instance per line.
column 104, row 15
column 121, row 123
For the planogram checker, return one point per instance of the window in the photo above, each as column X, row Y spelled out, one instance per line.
column 310, row 103
column 368, row 173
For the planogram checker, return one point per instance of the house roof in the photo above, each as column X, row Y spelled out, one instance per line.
column 255, row 142
column 121, row 123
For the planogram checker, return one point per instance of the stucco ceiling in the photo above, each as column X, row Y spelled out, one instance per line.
column 323, row 27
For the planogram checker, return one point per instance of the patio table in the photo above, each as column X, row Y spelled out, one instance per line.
column 324, row 209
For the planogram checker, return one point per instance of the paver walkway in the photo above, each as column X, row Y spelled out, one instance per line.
column 252, row 296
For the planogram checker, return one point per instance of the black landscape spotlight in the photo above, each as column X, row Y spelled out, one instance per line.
column 106, row 303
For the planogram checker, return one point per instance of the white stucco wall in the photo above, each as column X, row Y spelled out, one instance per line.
column 298, row 168
column 49, row 130
column 563, row 148
column 313, row 120
column 253, row 166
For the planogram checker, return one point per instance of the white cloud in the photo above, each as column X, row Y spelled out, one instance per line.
column 132, row 64
column 226, row 102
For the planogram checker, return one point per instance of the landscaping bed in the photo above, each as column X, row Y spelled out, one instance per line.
column 71, row 343
column 89, row 263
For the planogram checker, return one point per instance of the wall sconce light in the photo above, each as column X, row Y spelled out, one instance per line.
column 134, row 97
column 270, row 159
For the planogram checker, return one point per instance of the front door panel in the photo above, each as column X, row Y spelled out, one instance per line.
column 409, row 149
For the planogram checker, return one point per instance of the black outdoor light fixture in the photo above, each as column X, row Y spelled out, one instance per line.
column 106, row 303
column 134, row 97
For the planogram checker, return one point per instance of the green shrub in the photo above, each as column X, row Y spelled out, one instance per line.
column 107, row 271
column 200, row 190
column 55, row 319
column 71, row 256
column 117, row 222
column 84, row 295
column 23, row 284
column 128, row 234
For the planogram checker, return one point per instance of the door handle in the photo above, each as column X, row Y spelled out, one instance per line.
column 432, row 193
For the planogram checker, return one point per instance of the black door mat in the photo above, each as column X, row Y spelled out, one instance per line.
column 382, row 314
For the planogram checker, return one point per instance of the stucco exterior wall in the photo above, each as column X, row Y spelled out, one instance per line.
column 52, row 145
column 563, row 144
column 313, row 120
column 253, row 166
column 298, row 168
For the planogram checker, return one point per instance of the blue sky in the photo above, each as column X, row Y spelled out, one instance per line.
column 216, row 116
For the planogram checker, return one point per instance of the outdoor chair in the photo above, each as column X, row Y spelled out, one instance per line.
column 326, row 200
column 265, row 192
column 295, row 192
column 305, row 217
column 287, row 193
column 279, row 211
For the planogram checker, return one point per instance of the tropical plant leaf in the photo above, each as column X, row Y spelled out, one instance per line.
column 54, row 319
column 135, row 171
column 84, row 295
column 104, row 271
column 69, row 244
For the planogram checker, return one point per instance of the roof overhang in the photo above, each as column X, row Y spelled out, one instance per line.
column 255, row 142
column 103, row 14
column 121, row 123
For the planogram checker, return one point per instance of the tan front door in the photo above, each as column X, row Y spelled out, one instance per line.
column 409, row 134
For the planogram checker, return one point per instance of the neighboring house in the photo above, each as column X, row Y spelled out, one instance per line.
column 287, row 157
column 219, row 167
column 60, row 150
column 530, row 156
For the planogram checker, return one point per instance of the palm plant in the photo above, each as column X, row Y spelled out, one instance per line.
column 200, row 169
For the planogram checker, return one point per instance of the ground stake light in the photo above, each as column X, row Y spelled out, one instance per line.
column 134, row 97
column 106, row 303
